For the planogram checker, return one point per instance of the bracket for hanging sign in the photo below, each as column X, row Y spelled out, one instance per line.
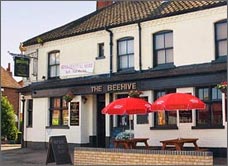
column 17, row 55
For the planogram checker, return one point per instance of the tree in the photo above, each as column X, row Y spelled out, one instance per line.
column 8, row 122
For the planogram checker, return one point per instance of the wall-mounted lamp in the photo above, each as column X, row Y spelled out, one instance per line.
column 84, row 99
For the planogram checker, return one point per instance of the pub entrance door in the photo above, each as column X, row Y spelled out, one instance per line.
column 100, row 121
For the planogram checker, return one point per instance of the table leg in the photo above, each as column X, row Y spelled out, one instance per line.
column 126, row 145
column 196, row 146
column 133, row 145
column 178, row 146
column 146, row 144
column 116, row 144
column 163, row 146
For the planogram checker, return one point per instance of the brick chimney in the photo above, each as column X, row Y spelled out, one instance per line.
column 9, row 70
column 103, row 3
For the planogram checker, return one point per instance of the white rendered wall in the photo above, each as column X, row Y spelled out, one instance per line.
column 193, row 36
column 37, row 132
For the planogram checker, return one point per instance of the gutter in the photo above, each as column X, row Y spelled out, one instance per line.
column 140, row 47
column 111, row 50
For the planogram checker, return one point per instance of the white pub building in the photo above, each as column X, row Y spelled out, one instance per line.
column 157, row 47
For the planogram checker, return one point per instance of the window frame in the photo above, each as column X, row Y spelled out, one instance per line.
column 63, row 106
column 100, row 54
column 209, row 104
column 125, row 39
column 155, row 50
column 217, row 41
column 57, row 65
column 166, row 126
column 29, row 112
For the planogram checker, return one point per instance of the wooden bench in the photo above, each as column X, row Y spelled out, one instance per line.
column 179, row 143
column 131, row 143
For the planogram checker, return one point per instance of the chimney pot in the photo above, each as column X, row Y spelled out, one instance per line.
column 103, row 3
column 8, row 69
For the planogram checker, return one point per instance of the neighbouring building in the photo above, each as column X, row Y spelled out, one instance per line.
column 157, row 47
column 9, row 88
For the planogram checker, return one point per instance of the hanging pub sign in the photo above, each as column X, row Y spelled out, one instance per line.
column 21, row 66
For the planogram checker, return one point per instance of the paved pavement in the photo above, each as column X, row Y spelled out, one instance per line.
column 13, row 155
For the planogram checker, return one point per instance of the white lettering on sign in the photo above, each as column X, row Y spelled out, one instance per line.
column 120, row 87
column 114, row 87
column 96, row 88
column 73, row 69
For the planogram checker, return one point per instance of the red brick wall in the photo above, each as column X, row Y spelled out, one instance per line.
column 13, row 97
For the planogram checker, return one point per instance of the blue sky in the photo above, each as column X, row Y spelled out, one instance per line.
column 22, row 20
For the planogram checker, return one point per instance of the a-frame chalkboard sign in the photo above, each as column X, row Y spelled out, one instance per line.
column 58, row 151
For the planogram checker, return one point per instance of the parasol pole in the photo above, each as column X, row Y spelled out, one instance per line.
column 178, row 121
column 130, row 125
column 130, row 117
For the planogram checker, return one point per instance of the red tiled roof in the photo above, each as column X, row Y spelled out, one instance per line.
column 7, row 81
column 123, row 13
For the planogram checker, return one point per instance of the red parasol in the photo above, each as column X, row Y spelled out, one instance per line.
column 177, row 101
column 127, row 106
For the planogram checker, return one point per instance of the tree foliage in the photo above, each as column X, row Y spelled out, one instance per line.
column 8, row 122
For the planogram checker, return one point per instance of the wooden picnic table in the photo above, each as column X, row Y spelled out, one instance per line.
column 179, row 143
column 131, row 143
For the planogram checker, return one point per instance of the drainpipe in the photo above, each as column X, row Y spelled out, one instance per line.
column 22, row 125
column 111, row 45
column 140, row 47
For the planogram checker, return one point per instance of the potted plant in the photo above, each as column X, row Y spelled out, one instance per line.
column 124, row 136
column 135, row 93
column 40, row 40
column 222, row 87
column 69, row 96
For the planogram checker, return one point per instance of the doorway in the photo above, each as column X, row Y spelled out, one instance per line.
column 100, row 121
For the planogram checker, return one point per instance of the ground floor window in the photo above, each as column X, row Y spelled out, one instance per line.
column 226, row 108
column 58, row 112
column 164, row 118
column 29, row 112
column 212, row 116
column 143, row 119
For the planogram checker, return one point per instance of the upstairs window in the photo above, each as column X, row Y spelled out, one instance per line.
column 53, row 64
column 125, row 53
column 221, row 38
column 100, row 51
column 34, row 59
column 163, row 47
